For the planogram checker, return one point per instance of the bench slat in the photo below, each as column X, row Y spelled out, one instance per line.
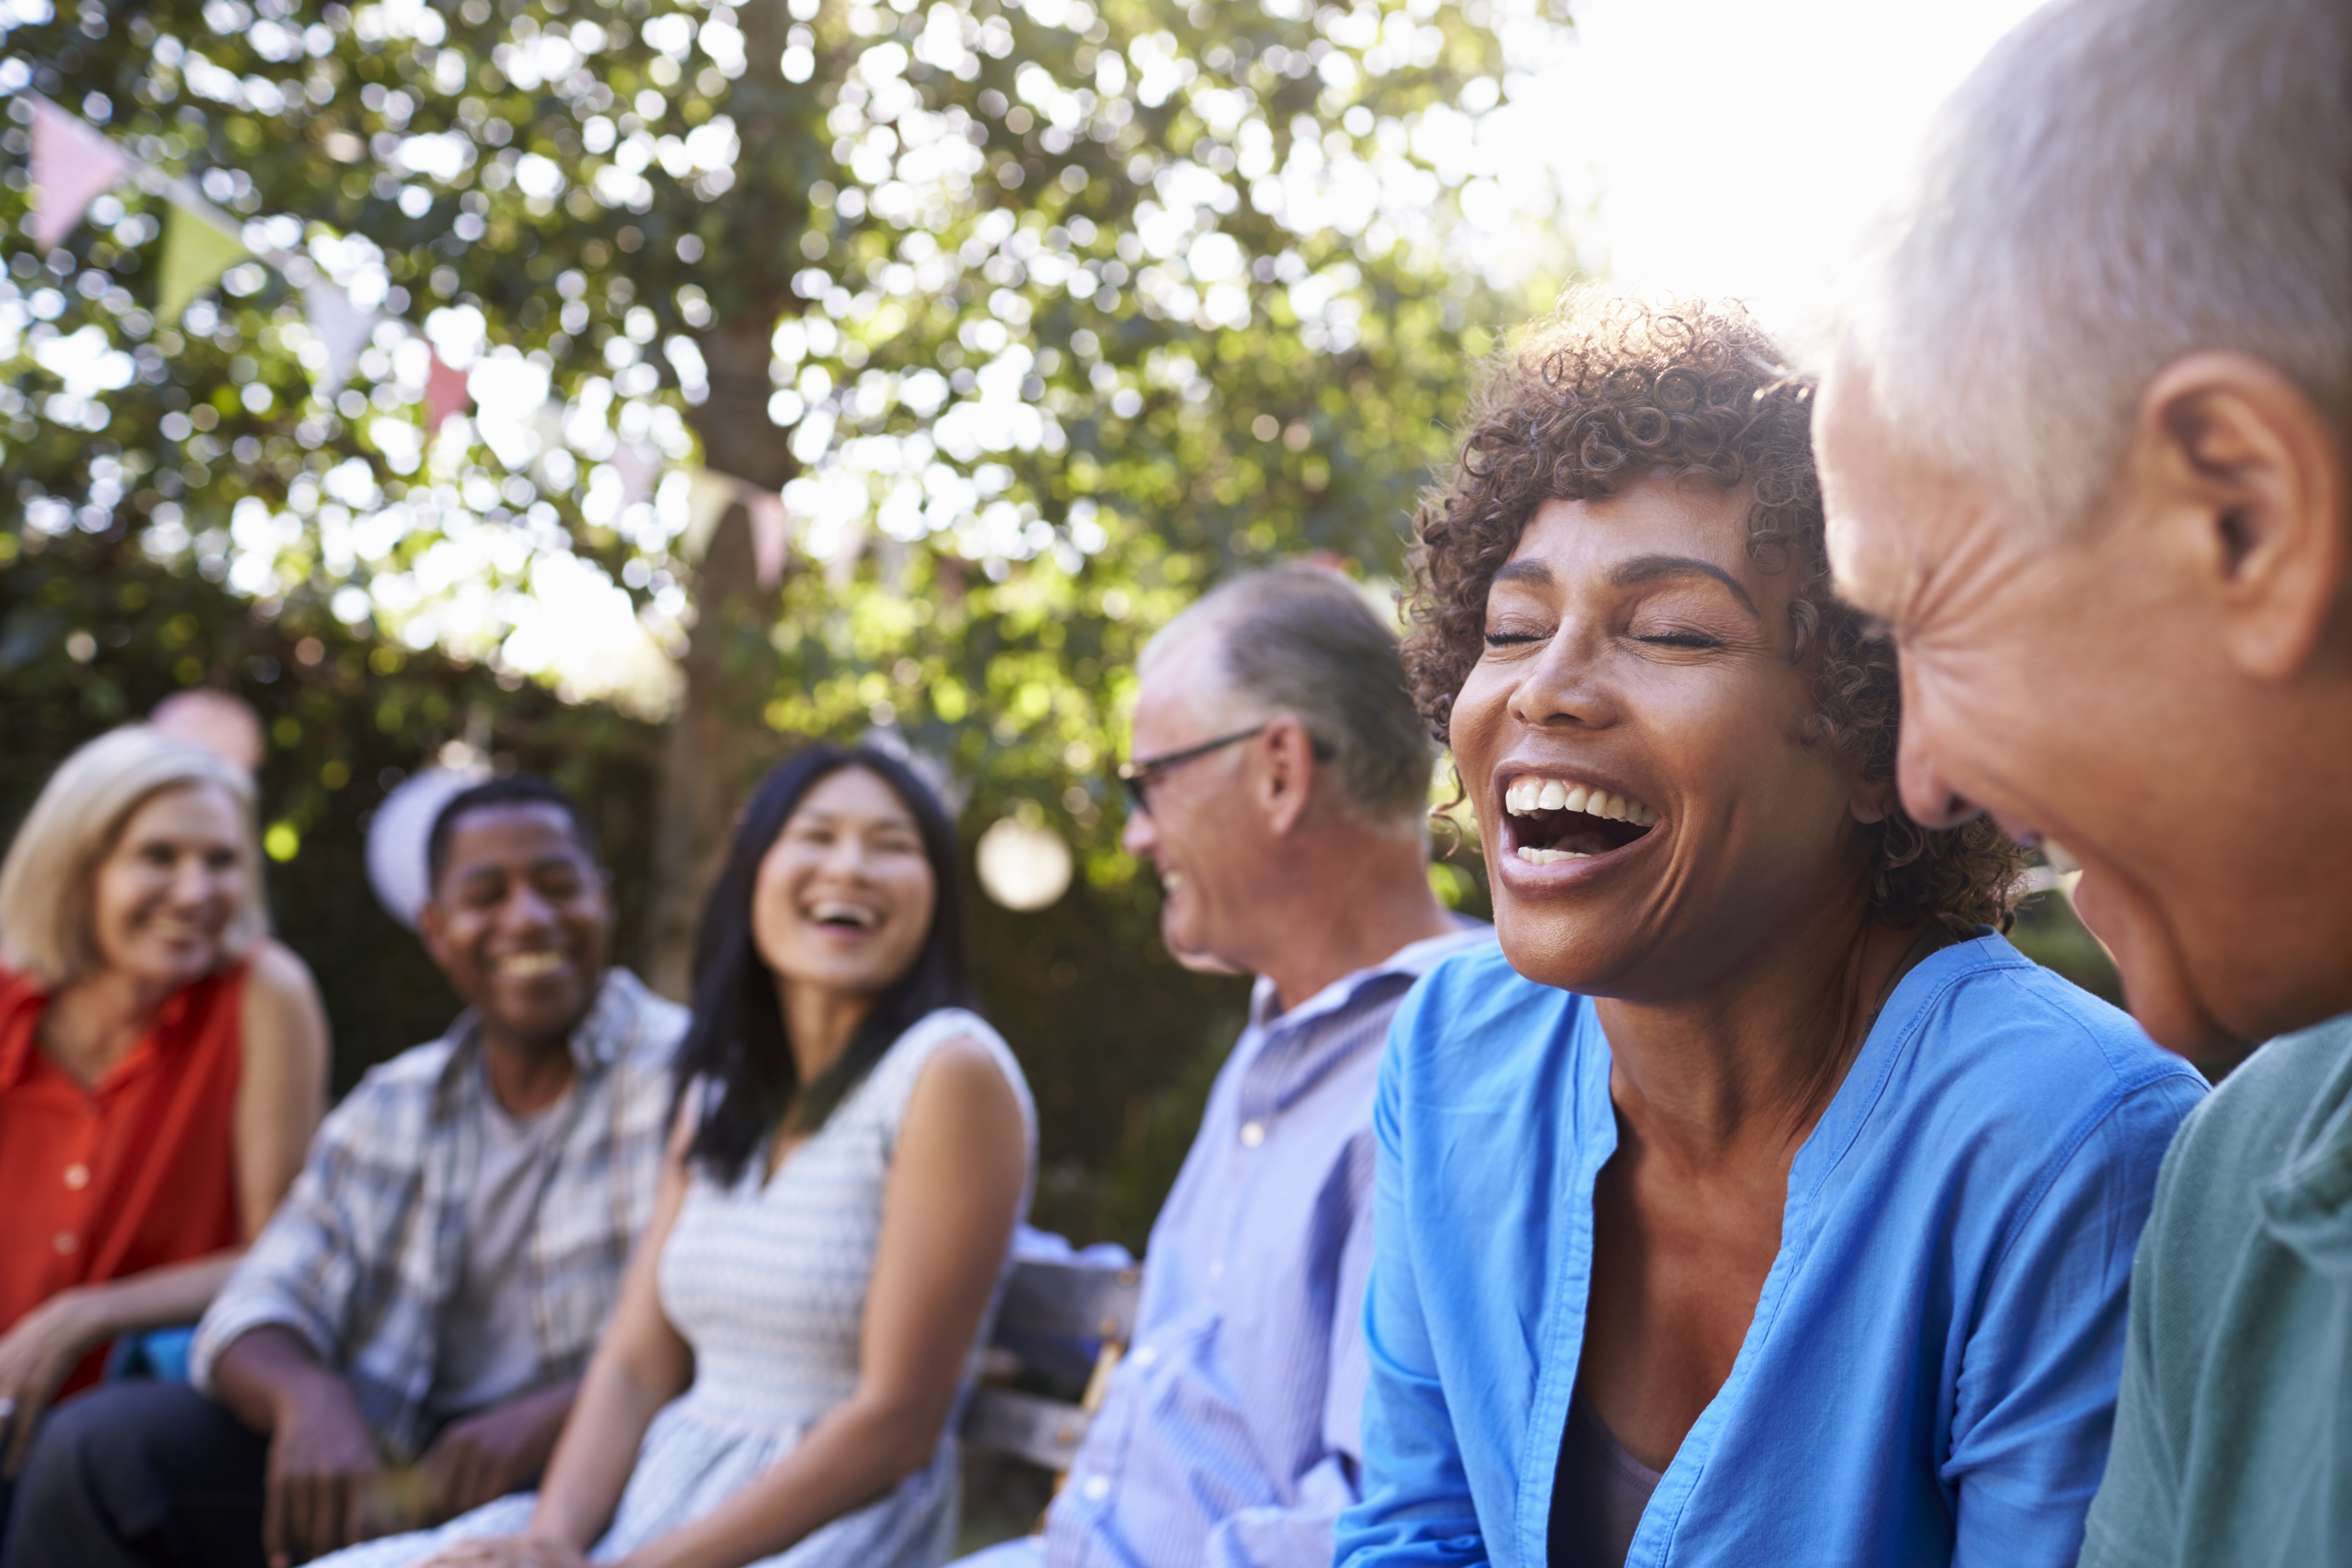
column 1073, row 1300
column 1045, row 1432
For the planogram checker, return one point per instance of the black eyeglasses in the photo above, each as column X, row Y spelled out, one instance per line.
column 1139, row 777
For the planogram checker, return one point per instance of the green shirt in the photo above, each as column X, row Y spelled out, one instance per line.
column 2233, row 1432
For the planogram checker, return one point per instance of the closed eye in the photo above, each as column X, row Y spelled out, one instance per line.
column 1507, row 639
column 1682, row 639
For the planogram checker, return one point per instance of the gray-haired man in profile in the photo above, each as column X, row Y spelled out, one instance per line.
column 2083, row 447
column 1280, row 788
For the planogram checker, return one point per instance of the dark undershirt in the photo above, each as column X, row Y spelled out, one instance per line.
column 1600, row 1489
column 1599, row 1495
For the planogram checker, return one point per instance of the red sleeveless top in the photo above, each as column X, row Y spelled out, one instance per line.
column 132, row 1173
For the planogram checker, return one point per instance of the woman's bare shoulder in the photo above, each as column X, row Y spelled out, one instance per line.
column 283, row 1012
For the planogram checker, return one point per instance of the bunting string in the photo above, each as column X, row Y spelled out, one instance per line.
column 73, row 163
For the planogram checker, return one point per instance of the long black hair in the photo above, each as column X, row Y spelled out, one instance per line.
column 738, row 1041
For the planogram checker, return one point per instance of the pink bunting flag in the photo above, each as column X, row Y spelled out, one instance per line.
column 73, row 164
column 768, row 529
column 445, row 393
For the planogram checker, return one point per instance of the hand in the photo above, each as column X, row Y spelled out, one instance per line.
column 502, row 1449
column 37, row 1356
column 511, row 1551
column 322, row 1465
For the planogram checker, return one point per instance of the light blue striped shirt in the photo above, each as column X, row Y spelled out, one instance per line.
column 1228, row 1437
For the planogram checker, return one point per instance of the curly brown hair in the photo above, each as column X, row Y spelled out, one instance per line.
column 1609, row 391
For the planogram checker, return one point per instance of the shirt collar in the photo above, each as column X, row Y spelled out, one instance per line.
column 595, row 1042
column 1413, row 961
column 21, row 1002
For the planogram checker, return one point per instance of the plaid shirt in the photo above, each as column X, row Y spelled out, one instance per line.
column 363, row 1253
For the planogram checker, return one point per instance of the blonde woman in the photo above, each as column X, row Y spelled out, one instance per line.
column 162, row 1063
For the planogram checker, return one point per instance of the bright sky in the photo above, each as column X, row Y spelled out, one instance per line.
column 1733, row 146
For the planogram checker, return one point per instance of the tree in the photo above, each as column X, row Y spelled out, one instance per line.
column 1041, row 315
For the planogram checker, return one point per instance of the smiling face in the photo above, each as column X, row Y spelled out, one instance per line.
column 164, row 893
column 1632, row 740
column 845, row 894
column 2037, row 687
column 1209, row 852
column 520, row 922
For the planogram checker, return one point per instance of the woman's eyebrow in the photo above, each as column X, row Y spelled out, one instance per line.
column 1650, row 568
column 1527, row 569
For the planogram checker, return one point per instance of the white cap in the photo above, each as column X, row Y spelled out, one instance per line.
column 396, row 839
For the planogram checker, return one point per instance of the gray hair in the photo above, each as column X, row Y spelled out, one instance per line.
column 46, row 882
column 2119, row 183
column 1300, row 640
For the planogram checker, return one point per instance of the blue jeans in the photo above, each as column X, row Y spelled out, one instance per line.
column 137, row 1474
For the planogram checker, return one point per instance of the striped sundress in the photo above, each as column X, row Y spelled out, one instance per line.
column 766, row 1281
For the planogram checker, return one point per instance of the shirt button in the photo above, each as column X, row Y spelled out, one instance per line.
column 1146, row 1356
column 1253, row 1134
column 1097, row 1488
column 77, row 1175
column 65, row 1241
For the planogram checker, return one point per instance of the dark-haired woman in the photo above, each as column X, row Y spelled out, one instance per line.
column 853, row 1149
column 1755, row 1201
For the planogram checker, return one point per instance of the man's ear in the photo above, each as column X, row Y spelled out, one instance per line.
column 1289, row 782
column 434, row 931
column 2253, row 472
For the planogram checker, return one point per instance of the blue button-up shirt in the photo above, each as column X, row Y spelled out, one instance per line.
column 1930, row 1375
column 1229, row 1434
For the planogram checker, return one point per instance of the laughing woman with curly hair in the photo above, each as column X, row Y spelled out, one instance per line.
column 1756, row 1202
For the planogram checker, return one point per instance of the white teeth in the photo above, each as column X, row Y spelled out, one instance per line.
column 1525, row 793
column 528, row 964
column 1549, row 856
column 853, row 914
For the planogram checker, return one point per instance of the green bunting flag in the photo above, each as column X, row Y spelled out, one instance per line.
column 196, row 251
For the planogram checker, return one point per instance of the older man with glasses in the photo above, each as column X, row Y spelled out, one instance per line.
column 1280, row 788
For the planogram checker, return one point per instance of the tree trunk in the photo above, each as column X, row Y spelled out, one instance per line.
column 719, row 741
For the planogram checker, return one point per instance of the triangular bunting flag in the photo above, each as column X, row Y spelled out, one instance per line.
column 342, row 327
column 445, row 393
column 708, row 495
column 769, row 529
column 72, row 165
column 640, row 465
column 196, row 251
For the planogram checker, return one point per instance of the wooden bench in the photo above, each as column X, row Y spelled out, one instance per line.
column 1060, row 1334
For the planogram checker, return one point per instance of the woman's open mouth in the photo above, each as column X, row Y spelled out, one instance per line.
column 842, row 916
column 1547, row 821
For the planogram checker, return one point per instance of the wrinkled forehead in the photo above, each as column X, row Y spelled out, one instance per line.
column 1666, row 528
column 1877, row 500
column 509, row 834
